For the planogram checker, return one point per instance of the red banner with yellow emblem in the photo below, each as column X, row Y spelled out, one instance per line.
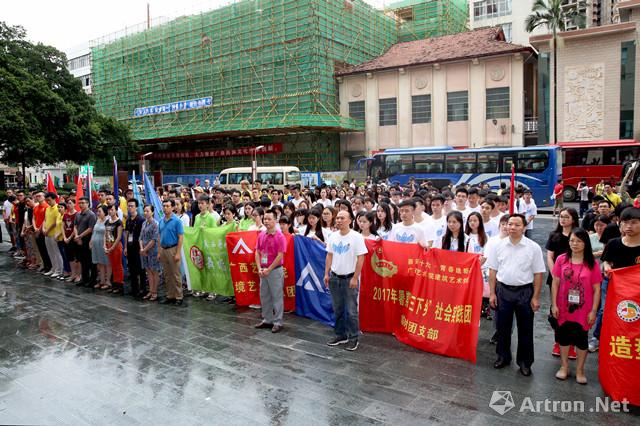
column 619, row 359
column 241, row 247
column 430, row 300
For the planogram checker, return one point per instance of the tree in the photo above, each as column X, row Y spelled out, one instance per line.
column 555, row 16
column 45, row 115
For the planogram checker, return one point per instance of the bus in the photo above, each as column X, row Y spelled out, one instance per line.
column 277, row 177
column 537, row 168
column 594, row 161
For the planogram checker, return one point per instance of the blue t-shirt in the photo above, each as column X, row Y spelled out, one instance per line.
column 170, row 230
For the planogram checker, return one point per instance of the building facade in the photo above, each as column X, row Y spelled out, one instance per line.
column 470, row 89
column 597, row 93
column 79, row 65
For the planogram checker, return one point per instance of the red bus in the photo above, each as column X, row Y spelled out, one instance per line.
column 594, row 161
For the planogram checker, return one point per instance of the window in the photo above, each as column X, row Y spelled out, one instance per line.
column 421, row 109
column 428, row 163
column 582, row 156
column 270, row 178
column 532, row 161
column 388, row 112
column 461, row 163
column 356, row 110
column 293, row 176
column 627, row 88
column 236, row 178
column 488, row 162
column 483, row 9
column 498, row 103
column 458, row 106
column 506, row 29
column 399, row 164
column 223, row 179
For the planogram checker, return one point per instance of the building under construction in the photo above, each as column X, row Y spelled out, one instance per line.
column 202, row 90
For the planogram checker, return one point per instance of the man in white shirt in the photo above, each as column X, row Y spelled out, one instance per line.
column 527, row 207
column 462, row 196
column 473, row 204
column 490, row 225
column 516, row 268
column 438, row 222
column 345, row 256
column 488, row 251
column 407, row 231
column 297, row 198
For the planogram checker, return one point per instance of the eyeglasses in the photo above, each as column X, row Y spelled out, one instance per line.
column 565, row 216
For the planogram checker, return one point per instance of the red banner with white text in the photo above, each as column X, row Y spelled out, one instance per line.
column 241, row 247
column 430, row 300
column 619, row 359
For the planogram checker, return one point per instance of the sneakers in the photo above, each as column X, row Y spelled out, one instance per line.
column 594, row 344
column 352, row 345
column 572, row 352
column 255, row 306
column 556, row 350
column 338, row 341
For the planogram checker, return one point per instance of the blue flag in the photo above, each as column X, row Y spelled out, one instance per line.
column 152, row 197
column 313, row 299
column 136, row 195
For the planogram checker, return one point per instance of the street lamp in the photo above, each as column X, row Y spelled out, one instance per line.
column 142, row 161
column 254, row 163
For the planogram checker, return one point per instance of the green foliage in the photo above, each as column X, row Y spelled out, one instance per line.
column 553, row 15
column 45, row 116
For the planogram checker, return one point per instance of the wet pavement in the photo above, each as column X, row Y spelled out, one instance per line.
column 71, row 356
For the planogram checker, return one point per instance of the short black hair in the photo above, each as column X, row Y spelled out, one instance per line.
column 437, row 197
column 50, row 195
column 204, row 198
column 407, row 203
column 134, row 201
column 170, row 201
column 521, row 216
column 463, row 190
column 630, row 213
column 84, row 199
column 472, row 191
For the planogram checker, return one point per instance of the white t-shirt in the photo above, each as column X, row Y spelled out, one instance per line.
column 454, row 243
column 528, row 210
column 7, row 207
column 473, row 209
column 491, row 228
column 437, row 228
column 324, row 203
column 465, row 213
column 296, row 202
column 345, row 250
column 185, row 219
column 515, row 264
column 413, row 233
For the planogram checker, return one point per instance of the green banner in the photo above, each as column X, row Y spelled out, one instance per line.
column 207, row 262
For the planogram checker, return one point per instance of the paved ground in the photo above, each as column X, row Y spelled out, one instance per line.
column 69, row 356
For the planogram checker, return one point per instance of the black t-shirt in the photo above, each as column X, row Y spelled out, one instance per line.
column 587, row 222
column 620, row 255
column 111, row 229
column 610, row 232
column 558, row 243
column 134, row 227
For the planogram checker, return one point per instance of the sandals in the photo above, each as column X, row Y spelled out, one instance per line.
column 562, row 374
column 105, row 287
column 581, row 379
column 147, row 296
column 153, row 298
column 98, row 286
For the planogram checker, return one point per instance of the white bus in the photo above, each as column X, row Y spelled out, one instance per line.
column 278, row 177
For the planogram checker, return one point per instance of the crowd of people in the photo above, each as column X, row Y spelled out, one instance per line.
column 67, row 238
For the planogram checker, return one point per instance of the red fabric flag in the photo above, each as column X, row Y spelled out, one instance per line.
column 51, row 187
column 79, row 192
column 428, row 299
column 241, row 248
column 619, row 359
column 512, row 189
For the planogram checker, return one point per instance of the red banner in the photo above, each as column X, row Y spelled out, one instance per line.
column 619, row 359
column 430, row 300
column 273, row 148
column 241, row 247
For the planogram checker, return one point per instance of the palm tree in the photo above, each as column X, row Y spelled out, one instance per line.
column 554, row 15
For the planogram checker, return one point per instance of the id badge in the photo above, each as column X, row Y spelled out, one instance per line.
column 264, row 260
column 574, row 297
column 130, row 238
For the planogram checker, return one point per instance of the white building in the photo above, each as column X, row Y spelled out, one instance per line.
column 79, row 65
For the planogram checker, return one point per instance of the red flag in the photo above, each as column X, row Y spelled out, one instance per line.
column 619, row 359
column 79, row 193
column 241, row 248
column 430, row 300
column 51, row 187
column 512, row 189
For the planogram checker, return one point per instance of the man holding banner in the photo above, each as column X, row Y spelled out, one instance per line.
column 345, row 257
column 516, row 268
column 269, row 256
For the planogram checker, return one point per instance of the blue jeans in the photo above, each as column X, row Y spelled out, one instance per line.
column 603, row 296
column 345, row 307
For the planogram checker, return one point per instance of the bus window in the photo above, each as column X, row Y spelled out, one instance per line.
column 377, row 171
column 399, row 164
column 461, row 163
column 488, row 162
column 270, row 178
column 236, row 178
column 532, row 161
column 428, row 163
column 293, row 177
column 223, row 179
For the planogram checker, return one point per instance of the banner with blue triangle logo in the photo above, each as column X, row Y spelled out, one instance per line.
column 313, row 299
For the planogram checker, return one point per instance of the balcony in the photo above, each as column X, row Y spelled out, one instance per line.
column 531, row 125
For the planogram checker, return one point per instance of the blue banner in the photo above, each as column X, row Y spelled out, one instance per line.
column 152, row 198
column 186, row 105
column 313, row 299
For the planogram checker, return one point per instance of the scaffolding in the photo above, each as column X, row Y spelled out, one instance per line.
column 267, row 65
column 419, row 19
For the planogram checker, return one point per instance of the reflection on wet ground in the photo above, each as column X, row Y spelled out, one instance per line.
column 71, row 356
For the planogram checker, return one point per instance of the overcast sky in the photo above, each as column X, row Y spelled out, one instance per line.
column 69, row 24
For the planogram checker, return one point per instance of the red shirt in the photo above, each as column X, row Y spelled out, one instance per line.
column 38, row 213
column 68, row 221
column 270, row 245
column 558, row 189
